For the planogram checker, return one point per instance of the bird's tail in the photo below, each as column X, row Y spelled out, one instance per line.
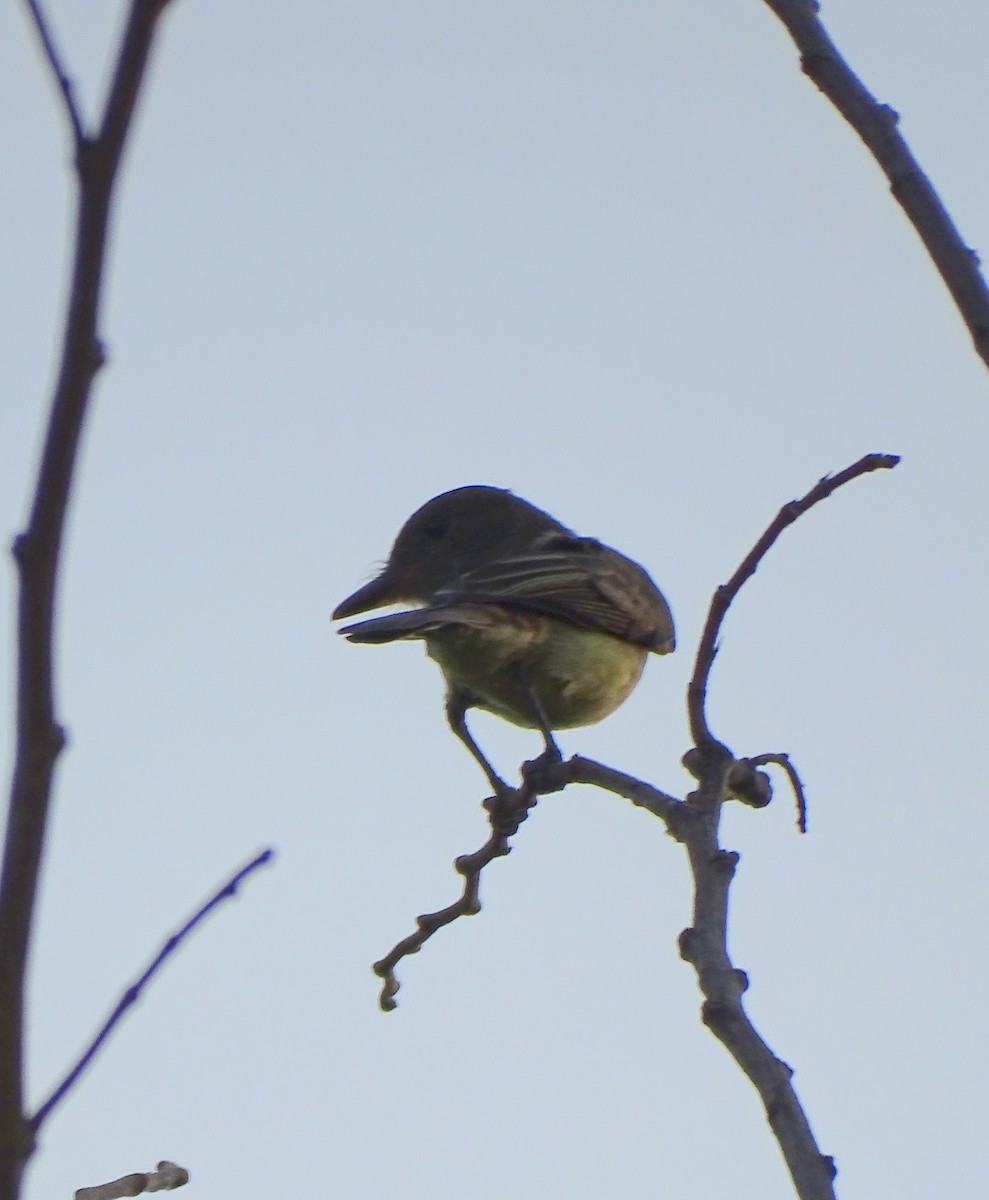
column 413, row 624
column 420, row 622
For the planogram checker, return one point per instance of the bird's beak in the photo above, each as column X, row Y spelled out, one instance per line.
column 385, row 589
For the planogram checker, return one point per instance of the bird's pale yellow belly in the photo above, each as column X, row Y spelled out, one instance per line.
column 579, row 675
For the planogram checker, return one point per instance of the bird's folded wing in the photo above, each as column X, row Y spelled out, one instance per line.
column 579, row 580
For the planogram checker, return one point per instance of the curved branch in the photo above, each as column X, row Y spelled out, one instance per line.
column 783, row 761
column 722, row 598
column 876, row 125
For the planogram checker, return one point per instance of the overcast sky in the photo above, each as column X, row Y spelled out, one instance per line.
column 624, row 259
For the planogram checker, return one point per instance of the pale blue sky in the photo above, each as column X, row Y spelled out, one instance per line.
column 625, row 260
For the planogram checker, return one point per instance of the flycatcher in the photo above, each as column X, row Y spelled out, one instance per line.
column 525, row 618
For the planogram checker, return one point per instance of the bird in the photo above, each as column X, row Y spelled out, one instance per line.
column 526, row 619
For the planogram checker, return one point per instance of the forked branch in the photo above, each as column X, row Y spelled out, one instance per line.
column 39, row 736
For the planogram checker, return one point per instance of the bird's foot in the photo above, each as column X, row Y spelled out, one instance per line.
column 539, row 774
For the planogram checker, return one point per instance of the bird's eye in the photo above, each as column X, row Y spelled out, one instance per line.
column 437, row 528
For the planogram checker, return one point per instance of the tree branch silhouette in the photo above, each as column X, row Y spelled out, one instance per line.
column 132, row 993
column 39, row 736
column 723, row 597
column 876, row 124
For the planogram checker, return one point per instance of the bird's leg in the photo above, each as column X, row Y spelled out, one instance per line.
column 456, row 715
column 552, row 752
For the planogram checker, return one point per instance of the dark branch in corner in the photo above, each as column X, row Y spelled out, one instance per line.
column 876, row 125
column 39, row 736
column 132, row 994
column 723, row 597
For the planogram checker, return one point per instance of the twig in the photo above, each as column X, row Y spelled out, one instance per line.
column 707, row 648
column 876, row 125
column 61, row 78
column 39, row 736
column 783, row 760
column 133, row 993
column 661, row 804
column 505, row 816
column 164, row 1178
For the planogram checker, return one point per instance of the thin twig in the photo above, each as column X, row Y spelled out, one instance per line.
column 37, row 551
column 723, row 597
column 876, row 125
column 132, row 994
column 505, row 815
column 58, row 71
column 783, row 760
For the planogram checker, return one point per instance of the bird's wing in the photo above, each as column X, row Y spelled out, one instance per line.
column 579, row 580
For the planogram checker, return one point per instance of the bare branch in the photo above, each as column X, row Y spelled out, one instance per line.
column 642, row 795
column 505, row 814
column 132, row 994
column 58, row 71
column 705, row 946
column 39, row 737
column 128, row 78
column 876, row 125
column 167, row 1176
column 723, row 597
